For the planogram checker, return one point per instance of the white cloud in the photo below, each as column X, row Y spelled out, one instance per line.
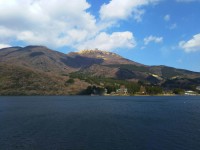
column 4, row 46
column 123, row 9
column 47, row 22
column 192, row 45
column 154, row 39
column 167, row 17
column 187, row 1
column 112, row 41
column 62, row 23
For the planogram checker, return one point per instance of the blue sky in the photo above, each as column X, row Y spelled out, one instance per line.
column 152, row 32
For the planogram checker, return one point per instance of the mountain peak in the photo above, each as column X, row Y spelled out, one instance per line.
column 97, row 52
column 105, row 56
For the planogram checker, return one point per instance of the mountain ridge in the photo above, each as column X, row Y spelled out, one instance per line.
column 92, row 64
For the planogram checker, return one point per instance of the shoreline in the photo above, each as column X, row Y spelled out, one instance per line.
column 159, row 95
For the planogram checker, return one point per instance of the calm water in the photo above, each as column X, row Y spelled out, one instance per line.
column 100, row 123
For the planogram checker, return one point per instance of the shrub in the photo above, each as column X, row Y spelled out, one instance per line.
column 70, row 81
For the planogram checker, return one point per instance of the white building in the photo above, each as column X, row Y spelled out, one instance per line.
column 190, row 93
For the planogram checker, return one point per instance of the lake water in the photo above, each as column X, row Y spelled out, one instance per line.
column 99, row 123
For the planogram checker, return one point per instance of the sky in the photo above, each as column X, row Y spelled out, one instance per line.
column 151, row 32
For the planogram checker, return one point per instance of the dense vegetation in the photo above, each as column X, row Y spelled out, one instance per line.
column 182, row 83
column 93, row 90
column 176, row 86
column 22, row 81
column 130, row 67
column 113, row 84
column 15, row 80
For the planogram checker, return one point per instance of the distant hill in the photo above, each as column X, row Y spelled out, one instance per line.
column 37, row 70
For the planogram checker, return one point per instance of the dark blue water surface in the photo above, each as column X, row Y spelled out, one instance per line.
column 99, row 123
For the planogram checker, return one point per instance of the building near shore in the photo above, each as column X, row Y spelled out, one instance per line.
column 122, row 91
column 190, row 93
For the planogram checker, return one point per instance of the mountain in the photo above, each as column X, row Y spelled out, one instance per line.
column 37, row 70
column 109, row 64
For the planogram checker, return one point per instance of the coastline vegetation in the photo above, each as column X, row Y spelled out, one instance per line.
column 21, row 81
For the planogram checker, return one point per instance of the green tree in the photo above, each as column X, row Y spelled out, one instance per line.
column 154, row 90
column 70, row 81
column 178, row 91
